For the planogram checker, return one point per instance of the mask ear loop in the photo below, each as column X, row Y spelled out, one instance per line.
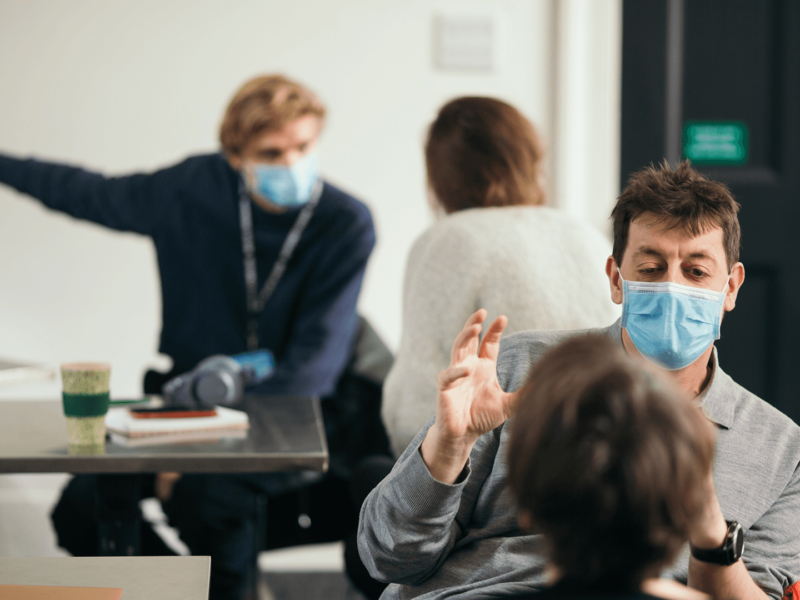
column 727, row 281
column 722, row 306
column 622, row 279
column 624, row 315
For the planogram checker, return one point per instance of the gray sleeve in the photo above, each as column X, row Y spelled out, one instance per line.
column 513, row 362
column 408, row 522
column 772, row 544
column 520, row 351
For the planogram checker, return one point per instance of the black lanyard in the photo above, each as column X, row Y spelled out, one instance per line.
column 255, row 300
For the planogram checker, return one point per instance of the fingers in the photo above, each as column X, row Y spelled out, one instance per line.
column 490, row 346
column 476, row 318
column 466, row 343
column 467, row 338
column 450, row 375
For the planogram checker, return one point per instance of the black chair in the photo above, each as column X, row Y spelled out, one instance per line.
column 322, row 510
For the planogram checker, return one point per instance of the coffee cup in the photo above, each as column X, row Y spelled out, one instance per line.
column 85, row 399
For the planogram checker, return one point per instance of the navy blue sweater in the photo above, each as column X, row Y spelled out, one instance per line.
column 191, row 212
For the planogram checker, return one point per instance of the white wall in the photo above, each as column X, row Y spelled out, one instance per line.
column 125, row 86
column 587, row 54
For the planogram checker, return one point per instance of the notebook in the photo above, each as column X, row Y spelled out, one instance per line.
column 120, row 421
column 185, row 437
column 53, row 592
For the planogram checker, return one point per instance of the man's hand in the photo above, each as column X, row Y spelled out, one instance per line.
column 470, row 401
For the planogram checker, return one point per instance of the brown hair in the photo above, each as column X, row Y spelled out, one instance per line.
column 608, row 459
column 483, row 152
column 680, row 198
column 264, row 104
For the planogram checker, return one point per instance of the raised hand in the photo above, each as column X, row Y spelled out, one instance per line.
column 470, row 401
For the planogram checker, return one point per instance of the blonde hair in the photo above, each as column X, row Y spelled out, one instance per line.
column 263, row 104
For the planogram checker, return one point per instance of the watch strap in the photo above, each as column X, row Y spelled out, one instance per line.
column 728, row 553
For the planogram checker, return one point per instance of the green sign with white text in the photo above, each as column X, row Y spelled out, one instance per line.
column 715, row 142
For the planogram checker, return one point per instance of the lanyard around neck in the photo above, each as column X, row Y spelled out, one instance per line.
column 255, row 300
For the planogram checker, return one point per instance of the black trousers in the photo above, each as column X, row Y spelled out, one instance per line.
column 216, row 515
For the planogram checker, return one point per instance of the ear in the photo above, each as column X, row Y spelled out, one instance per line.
column 235, row 161
column 734, row 283
column 614, row 280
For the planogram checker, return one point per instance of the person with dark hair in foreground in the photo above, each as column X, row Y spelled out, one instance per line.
column 444, row 524
column 610, row 462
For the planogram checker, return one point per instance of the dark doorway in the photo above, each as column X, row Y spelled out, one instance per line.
column 730, row 69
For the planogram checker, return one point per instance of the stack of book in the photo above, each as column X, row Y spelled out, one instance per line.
column 223, row 423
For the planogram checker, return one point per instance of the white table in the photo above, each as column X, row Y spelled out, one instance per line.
column 140, row 577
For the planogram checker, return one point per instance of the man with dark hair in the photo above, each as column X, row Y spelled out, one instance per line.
column 609, row 461
column 444, row 524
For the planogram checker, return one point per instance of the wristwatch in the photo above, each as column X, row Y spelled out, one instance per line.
column 730, row 551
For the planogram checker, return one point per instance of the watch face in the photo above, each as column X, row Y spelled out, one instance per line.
column 730, row 551
column 738, row 542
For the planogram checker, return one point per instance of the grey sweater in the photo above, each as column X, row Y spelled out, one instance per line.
column 433, row 540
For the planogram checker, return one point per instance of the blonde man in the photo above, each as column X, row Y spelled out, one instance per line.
column 200, row 216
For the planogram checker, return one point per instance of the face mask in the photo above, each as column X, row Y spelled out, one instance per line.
column 284, row 186
column 671, row 324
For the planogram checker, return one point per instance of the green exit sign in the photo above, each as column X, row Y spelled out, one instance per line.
column 715, row 142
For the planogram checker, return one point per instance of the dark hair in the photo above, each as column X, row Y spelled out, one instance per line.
column 681, row 198
column 483, row 152
column 608, row 459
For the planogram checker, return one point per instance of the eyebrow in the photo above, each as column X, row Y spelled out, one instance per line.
column 650, row 251
column 280, row 150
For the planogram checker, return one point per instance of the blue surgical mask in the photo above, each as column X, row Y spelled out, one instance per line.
column 286, row 187
column 671, row 324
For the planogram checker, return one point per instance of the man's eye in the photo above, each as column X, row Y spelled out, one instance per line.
column 697, row 273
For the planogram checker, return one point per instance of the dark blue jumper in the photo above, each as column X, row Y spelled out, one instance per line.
column 190, row 210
